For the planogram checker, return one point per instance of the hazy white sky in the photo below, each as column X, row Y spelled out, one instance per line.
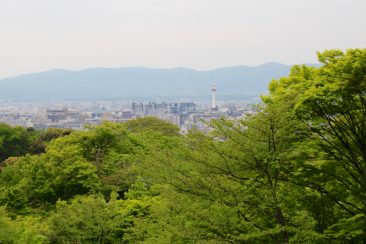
column 37, row 35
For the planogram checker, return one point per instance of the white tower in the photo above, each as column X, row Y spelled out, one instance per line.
column 213, row 97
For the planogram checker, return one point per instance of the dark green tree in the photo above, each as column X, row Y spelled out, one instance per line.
column 14, row 141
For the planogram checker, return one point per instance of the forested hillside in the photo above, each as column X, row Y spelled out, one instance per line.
column 293, row 172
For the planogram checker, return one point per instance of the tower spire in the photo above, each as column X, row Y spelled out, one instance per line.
column 213, row 97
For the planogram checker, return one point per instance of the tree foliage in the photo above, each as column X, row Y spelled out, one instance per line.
column 14, row 141
column 295, row 171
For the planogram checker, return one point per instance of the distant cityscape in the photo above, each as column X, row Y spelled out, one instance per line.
column 75, row 115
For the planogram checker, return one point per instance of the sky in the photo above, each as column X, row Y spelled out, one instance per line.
column 39, row 35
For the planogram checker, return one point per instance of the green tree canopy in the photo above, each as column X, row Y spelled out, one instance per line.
column 14, row 141
column 152, row 124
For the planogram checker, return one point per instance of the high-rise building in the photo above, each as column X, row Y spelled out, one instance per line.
column 56, row 115
column 187, row 108
column 137, row 108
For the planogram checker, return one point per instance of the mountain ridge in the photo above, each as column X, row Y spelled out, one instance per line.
column 140, row 82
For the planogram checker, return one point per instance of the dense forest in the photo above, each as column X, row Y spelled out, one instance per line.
column 295, row 171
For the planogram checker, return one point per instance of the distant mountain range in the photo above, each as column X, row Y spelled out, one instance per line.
column 238, row 82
